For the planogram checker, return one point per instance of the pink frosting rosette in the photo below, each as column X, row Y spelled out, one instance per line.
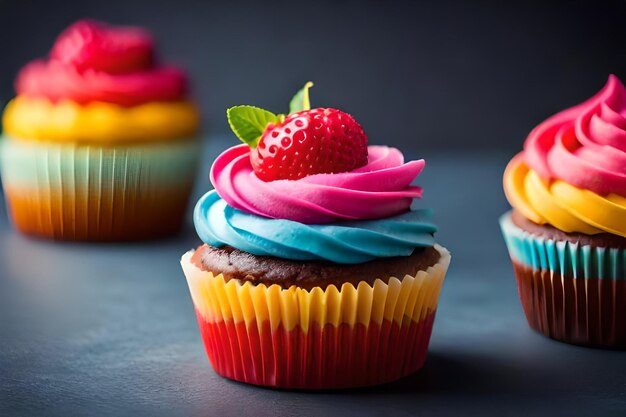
column 92, row 61
column 379, row 189
column 585, row 145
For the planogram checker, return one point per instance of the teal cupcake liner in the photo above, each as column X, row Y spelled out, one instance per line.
column 26, row 163
column 566, row 258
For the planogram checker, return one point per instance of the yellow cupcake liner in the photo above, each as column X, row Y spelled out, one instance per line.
column 67, row 121
column 410, row 298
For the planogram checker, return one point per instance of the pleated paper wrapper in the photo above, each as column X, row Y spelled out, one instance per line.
column 97, row 192
column 320, row 338
column 570, row 292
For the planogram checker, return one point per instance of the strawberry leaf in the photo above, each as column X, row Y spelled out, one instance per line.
column 249, row 123
column 301, row 101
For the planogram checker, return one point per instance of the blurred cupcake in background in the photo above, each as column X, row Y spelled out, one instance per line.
column 566, row 234
column 100, row 142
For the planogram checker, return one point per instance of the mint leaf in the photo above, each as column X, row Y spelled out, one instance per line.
column 301, row 101
column 249, row 123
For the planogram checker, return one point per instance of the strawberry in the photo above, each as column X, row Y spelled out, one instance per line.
column 306, row 142
column 310, row 142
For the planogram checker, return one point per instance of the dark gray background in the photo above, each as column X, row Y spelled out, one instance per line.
column 438, row 74
column 110, row 329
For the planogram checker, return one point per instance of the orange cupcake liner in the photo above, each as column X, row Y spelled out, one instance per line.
column 111, row 217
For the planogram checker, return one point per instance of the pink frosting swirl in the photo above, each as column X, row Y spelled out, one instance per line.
column 57, row 81
column 91, row 61
column 377, row 190
column 584, row 145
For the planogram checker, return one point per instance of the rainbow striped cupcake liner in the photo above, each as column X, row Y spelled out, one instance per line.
column 319, row 338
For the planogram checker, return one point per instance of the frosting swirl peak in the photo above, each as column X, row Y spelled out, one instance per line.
column 91, row 61
column 585, row 145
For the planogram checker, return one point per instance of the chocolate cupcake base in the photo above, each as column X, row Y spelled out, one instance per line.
column 235, row 264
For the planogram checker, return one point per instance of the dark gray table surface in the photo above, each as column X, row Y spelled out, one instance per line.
column 92, row 329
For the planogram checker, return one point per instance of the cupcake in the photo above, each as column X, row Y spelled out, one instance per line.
column 315, row 273
column 566, row 234
column 99, row 143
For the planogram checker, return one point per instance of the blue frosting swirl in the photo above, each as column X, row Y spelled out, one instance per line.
column 348, row 242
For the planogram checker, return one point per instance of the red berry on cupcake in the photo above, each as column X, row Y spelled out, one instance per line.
column 305, row 142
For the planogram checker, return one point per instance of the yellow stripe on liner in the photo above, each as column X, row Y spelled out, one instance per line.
column 401, row 300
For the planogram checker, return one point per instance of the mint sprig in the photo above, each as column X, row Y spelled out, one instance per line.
column 249, row 122
column 301, row 101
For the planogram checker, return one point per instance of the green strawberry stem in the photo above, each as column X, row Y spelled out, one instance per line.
column 301, row 101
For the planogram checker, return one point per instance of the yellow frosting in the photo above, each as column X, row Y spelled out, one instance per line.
column 562, row 205
column 66, row 121
column 399, row 300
